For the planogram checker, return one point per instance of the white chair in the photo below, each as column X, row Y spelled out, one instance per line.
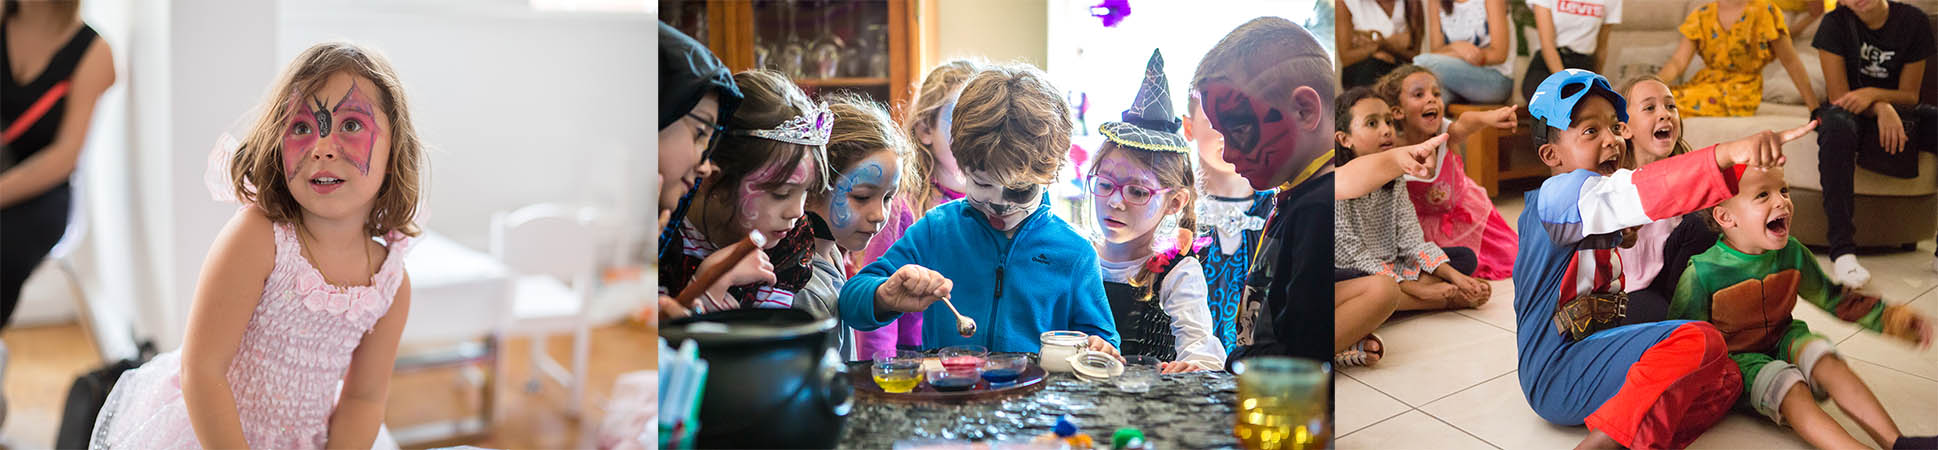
column 460, row 299
column 553, row 251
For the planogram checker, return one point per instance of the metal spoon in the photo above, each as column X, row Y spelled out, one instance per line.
column 964, row 325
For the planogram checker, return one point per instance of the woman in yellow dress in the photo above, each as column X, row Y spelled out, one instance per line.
column 1737, row 38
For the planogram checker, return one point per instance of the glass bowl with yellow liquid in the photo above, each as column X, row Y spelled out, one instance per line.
column 898, row 371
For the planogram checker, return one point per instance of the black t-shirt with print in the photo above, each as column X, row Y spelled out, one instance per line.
column 1875, row 58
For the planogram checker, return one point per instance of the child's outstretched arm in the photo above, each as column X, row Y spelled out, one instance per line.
column 1470, row 122
column 1366, row 174
column 226, row 295
column 366, row 387
column 1578, row 205
column 895, row 283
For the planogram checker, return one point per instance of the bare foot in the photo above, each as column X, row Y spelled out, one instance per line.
column 1598, row 440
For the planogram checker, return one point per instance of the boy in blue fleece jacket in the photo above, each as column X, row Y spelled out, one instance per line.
column 1022, row 270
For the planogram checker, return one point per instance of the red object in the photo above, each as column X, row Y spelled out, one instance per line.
column 33, row 113
column 1681, row 387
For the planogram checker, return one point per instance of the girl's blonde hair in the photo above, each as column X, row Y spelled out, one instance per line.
column 256, row 169
column 1174, row 172
column 1628, row 146
column 920, row 117
column 861, row 128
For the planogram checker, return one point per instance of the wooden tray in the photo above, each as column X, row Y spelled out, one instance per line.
column 861, row 374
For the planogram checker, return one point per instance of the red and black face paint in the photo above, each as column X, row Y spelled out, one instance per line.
column 353, row 120
column 1256, row 134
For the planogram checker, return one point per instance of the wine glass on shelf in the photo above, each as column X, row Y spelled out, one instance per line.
column 792, row 51
column 824, row 60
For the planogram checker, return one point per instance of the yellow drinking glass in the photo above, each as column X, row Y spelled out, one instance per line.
column 1282, row 404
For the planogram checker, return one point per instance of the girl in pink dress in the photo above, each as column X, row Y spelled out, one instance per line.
column 1454, row 210
column 931, row 180
column 297, row 314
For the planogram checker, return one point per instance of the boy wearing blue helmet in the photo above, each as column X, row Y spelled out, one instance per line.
column 1638, row 386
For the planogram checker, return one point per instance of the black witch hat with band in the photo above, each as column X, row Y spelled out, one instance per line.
column 1150, row 123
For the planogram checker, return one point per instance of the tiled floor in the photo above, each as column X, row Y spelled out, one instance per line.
column 1448, row 378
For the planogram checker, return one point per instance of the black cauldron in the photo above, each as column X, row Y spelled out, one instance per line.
column 774, row 378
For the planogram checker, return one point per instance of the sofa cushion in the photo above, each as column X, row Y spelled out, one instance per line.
column 1800, row 170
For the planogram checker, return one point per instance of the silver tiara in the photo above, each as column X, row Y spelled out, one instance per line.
column 810, row 128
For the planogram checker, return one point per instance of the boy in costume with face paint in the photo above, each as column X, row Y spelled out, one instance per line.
column 313, row 265
column 1267, row 87
column 1152, row 276
column 1748, row 283
column 1231, row 219
column 865, row 152
column 1014, row 260
column 1647, row 385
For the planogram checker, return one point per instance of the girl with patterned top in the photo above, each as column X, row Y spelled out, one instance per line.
column 1377, row 240
column 1736, row 39
column 768, row 166
column 297, row 315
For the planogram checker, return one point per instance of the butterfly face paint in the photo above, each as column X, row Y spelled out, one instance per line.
column 1259, row 139
column 773, row 211
column 1005, row 207
column 350, row 125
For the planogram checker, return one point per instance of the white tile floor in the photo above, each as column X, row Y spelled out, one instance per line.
column 1448, row 378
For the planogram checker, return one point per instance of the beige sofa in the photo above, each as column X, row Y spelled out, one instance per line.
column 1891, row 212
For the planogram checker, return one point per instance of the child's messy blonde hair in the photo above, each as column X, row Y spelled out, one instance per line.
column 256, row 169
column 1628, row 160
column 861, row 128
column 1011, row 124
column 920, row 117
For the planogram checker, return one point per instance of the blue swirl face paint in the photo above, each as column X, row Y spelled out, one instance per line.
column 868, row 172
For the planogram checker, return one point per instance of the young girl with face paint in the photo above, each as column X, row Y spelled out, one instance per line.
column 770, row 160
column 1010, row 255
column 1454, row 210
column 295, row 322
column 865, row 152
column 932, row 179
column 1156, row 285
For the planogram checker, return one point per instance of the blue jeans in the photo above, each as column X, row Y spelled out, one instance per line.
column 1465, row 82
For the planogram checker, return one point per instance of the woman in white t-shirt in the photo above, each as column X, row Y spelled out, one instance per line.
column 1384, row 34
column 1571, row 37
column 1472, row 53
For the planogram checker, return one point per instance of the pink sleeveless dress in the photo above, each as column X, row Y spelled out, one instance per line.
column 287, row 371
column 1455, row 212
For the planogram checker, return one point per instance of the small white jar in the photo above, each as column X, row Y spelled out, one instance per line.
column 1058, row 347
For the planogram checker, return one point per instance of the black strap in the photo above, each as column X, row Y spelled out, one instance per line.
column 63, row 64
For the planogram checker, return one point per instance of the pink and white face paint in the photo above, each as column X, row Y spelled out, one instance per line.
column 350, row 124
column 1119, row 213
column 773, row 212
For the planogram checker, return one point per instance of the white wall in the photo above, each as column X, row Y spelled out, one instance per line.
column 995, row 30
column 519, row 106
